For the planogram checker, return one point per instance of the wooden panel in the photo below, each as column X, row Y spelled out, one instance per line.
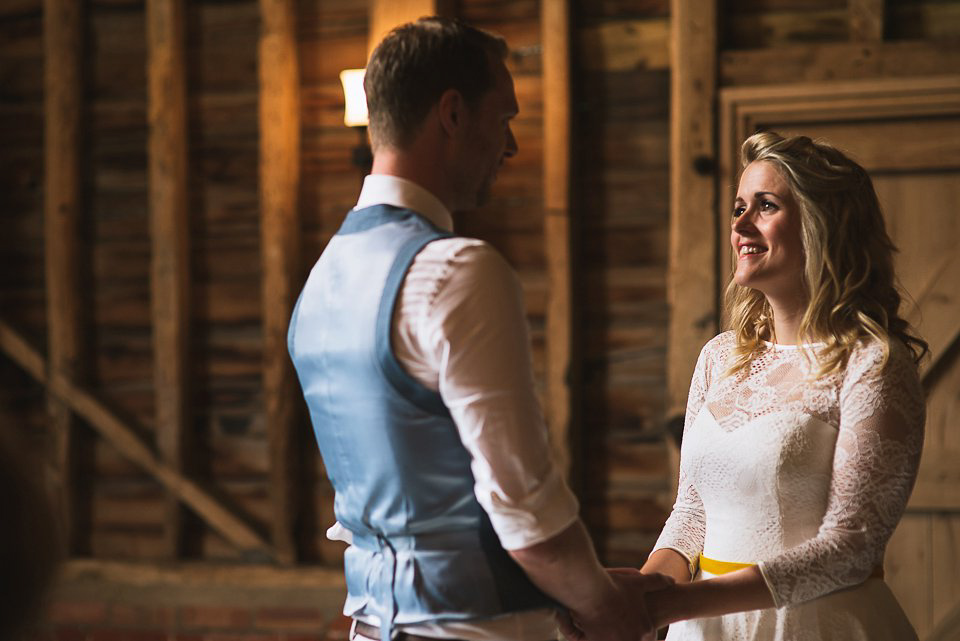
column 922, row 19
column 692, row 284
column 169, row 232
column 946, row 554
column 623, row 45
column 820, row 62
column 908, row 566
column 63, row 28
column 561, row 371
column 279, row 228
column 866, row 20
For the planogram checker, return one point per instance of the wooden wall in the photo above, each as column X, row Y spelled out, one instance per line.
column 620, row 211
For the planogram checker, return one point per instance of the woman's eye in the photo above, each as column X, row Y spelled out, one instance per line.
column 738, row 211
column 768, row 205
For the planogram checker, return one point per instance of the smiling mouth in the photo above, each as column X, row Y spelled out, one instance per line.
column 746, row 250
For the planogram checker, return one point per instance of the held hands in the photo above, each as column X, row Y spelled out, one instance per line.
column 623, row 615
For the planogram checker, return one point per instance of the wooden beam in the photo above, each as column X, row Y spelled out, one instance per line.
column 199, row 574
column 839, row 61
column 555, row 38
column 132, row 447
column 169, row 233
column 692, row 282
column 63, row 86
column 866, row 20
column 280, row 242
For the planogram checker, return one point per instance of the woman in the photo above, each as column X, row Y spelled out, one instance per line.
column 804, row 423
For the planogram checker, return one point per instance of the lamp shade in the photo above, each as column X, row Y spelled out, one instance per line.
column 354, row 99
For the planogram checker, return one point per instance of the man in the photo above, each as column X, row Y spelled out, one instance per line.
column 412, row 351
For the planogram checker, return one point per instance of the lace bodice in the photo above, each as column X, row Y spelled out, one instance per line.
column 806, row 477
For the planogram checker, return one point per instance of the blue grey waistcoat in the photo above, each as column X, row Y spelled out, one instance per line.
column 423, row 548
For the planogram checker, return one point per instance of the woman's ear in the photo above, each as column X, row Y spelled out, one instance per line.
column 450, row 111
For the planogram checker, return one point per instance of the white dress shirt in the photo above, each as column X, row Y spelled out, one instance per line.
column 459, row 327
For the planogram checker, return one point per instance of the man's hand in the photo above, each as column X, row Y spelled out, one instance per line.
column 622, row 615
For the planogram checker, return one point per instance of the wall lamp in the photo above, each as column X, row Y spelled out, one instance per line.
column 355, row 115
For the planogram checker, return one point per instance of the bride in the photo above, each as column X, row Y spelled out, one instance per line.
column 804, row 423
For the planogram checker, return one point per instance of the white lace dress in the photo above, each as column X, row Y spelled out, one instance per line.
column 807, row 478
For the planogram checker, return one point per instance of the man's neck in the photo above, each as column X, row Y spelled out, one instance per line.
column 409, row 166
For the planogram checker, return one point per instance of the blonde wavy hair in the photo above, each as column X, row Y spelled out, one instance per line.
column 848, row 273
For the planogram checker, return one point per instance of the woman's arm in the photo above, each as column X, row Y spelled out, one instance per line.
column 737, row 591
column 681, row 541
column 875, row 464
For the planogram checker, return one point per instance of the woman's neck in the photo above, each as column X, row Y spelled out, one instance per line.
column 787, row 315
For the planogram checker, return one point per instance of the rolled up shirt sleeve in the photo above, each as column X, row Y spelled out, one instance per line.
column 460, row 328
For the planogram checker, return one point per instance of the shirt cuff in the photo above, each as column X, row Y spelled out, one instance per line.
column 543, row 514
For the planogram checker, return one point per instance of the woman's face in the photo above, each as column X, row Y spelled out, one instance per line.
column 765, row 234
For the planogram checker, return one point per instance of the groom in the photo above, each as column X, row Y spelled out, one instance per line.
column 412, row 350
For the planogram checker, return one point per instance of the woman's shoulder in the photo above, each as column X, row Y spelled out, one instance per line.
column 872, row 357
column 720, row 344
column 717, row 349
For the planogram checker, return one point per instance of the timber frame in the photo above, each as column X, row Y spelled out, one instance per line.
column 167, row 458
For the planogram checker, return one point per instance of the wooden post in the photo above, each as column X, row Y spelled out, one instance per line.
column 280, row 242
column 692, row 282
column 555, row 37
column 866, row 20
column 169, row 231
column 63, row 85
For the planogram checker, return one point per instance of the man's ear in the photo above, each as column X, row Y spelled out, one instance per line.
column 450, row 111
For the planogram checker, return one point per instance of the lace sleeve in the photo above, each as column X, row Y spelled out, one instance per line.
column 874, row 467
column 686, row 527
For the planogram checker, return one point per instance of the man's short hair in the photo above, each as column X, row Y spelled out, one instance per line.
column 418, row 61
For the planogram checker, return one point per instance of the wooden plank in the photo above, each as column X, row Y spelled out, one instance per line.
column 938, row 484
column 201, row 574
column 692, row 282
column 280, row 256
column 946, row 580
column 840, row 61
column 907, row 567
column 131, row 446
column 169, row 231
column 555, row 36
column 624, row 45
column 866, row 20
column 63, row 84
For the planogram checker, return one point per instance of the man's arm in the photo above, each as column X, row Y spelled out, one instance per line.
column 565, row 566
column 461, row 318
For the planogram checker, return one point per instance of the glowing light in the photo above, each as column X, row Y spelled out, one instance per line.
column 354, row 99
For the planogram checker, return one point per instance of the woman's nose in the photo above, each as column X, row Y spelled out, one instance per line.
column 744, row 221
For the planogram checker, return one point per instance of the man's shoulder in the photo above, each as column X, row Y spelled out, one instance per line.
column 461, row 252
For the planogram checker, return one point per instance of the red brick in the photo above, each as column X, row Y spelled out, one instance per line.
column 290, row 619
column 215, row 617
column 122, row 614
column 78, row 612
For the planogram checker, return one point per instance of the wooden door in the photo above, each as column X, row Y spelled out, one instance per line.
column 907, row 135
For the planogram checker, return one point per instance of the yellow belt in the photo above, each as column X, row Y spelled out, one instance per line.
column 714, row 566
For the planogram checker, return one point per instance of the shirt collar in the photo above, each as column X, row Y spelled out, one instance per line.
column 383, row 189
